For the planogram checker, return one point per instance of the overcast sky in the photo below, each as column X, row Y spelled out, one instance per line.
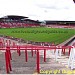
column 39, row 9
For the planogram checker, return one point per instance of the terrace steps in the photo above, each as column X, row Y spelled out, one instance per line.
column 22, row 67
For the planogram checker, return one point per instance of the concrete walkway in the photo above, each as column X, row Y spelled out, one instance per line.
column 19, row 66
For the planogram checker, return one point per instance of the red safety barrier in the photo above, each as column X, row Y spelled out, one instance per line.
column 44, row 55
column 18, row 50
column 29, row 47
column 35, row 51
column 66, row 47
column 7, row 58
column 26, row 55
column 32, row 52
column 10, row 55
column 63, row 51
column 38, row 61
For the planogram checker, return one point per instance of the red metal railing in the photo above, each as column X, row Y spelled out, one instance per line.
column 26, row 48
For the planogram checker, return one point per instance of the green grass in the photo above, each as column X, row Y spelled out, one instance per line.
column 40, row 34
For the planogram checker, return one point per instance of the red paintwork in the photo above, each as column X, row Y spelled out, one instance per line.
column 8, row 49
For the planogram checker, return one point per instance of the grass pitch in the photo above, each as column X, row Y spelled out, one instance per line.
column 55, row 35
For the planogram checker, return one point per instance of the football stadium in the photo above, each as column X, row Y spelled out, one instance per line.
column 35, row 31
column 30, row 46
